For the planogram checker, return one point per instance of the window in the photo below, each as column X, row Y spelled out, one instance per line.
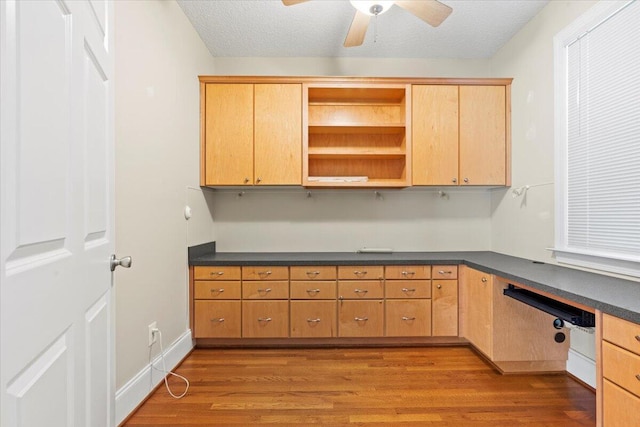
column 597, row 136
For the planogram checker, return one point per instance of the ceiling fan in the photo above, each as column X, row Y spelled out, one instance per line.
column 430, row 11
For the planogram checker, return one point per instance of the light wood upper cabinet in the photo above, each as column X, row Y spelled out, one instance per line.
column 228, row 135
column 483, row 138
column 461, row 134
column 252, row 134
column 435, row 134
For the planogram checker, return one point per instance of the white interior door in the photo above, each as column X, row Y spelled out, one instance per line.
column 56, row 125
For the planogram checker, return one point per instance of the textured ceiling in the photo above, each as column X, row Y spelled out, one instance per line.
column 266, row 28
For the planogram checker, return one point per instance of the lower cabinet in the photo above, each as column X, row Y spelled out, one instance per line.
column 408, row 318
column 313, row 319
column 360, row 318
column 514, row 336
column 620, row 368
column 217, row 319
column 265, row 319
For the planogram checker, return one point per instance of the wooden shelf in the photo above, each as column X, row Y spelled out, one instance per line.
column 344, row 95
column 355, row 152
column 332, row 128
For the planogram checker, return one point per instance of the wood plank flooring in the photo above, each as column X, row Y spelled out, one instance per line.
column 433, row 386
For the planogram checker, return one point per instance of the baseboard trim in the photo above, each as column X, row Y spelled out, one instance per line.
column 581, row 367
column 138, row 388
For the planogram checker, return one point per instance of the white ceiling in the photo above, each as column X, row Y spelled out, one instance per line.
column 266, row 28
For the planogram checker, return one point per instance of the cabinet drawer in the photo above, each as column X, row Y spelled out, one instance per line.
column 361, row 289
column 265, row 319
column 216, row 273
column 265, row 273
column 222, row 289
column 217, row 319
column 360, row 318
column 355, row 272
column 620, row 408
column 313, row 290
column 407, row 272
column 408, row 318
column 313, row 319
column 444, row 272
column 621, row 367
column 408, row 288
column 265, row 290
column 313, row 273
column 621, row 332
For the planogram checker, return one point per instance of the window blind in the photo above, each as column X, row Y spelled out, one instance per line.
column 602, row 193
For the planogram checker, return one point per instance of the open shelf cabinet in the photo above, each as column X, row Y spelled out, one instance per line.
column 356, row 135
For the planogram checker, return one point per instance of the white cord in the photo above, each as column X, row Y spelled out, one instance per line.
column 167, row 373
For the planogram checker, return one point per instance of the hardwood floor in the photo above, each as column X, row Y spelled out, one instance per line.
column 434, row 386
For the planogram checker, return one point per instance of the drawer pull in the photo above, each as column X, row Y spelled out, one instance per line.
column 313, row 320
column 360, row 319
column 360, row 273
column 445, row 272
column 264, row 319
column 264, row 274
column 216, row 273
column 217, row 291
column 312, row 274
column 408, row 290
column 408, row 318
column 408, row 273
column 264, row 291
column 360, row 291
column 219, row 320
column 313, row 292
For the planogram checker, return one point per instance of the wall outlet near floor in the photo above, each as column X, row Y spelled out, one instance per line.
column 153, row 326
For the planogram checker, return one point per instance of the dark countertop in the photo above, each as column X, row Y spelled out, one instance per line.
column 618, row 297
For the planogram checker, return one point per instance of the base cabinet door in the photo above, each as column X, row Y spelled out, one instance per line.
column 265, row 319
column 313, row 319
column 360, row 318
column 444, row 299
column 408, row 318
column 620, row 408
column 217, row 319
column 478, row 310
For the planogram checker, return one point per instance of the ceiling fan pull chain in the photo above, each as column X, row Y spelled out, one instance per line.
column 375, row 28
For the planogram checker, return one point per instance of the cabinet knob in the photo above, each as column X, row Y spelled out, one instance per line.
column 439, row 286
column 638, row 377
column 466, row 180
column 638, row 338
column 454, row 180
column 246, row 180
column 484, row 280
column 258, row 180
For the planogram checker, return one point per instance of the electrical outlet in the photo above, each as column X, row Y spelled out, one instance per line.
column 152, row 336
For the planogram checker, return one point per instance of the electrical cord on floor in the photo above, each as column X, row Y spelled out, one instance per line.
column 164, row 370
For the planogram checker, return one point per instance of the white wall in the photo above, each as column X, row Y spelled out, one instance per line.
column 158, row 58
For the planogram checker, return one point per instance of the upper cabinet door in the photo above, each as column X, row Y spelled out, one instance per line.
column 228, row 134
column 483, row 135
column 278, row 134
column 435, row 134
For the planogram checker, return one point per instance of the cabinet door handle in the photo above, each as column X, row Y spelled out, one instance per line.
column 443, row 272
column 218, row 291
column 454, row 180
column 407, row 290
column 439, row 286
column 360, row 273
column 312, row 274
column 264, row 274
column 264, row 291
column 246, row 180
column 408, row 273
column 408, row 318
column 638, row 338
column 484, row 280
column 258, row 180
column 360, row 319
column 317, row 320
column 313, row 292
column 264, row 319
column 219, row 320
column 360, row 291
column 466, row 180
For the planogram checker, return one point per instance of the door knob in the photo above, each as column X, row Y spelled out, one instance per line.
column 124, row 262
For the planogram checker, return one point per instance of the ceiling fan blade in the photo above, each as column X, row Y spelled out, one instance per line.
column 430, row 11
column 357, row 30
column 292, row 2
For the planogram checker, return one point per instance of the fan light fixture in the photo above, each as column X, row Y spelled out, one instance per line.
column 372, row 8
